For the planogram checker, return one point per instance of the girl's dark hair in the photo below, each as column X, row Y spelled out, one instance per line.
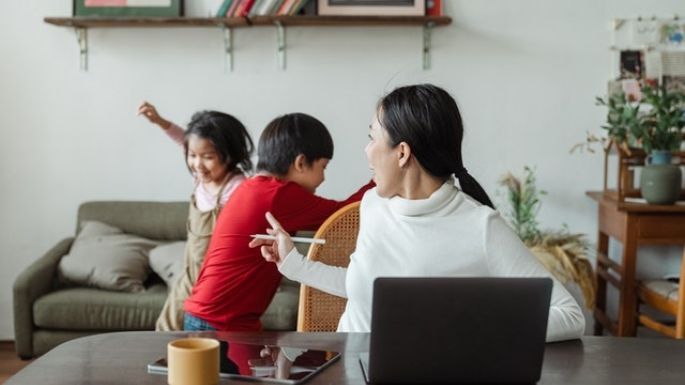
column 288, row 136
column 427, row 118
column 228, row 135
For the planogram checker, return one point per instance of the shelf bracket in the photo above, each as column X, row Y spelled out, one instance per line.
column 427, row 30
column 280, row 41
column 228, row 48
column 82, row 36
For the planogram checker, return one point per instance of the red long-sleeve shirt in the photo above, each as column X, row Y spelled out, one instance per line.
column 236, row 284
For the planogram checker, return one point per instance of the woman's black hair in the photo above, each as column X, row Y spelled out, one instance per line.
column 227, row 134
column 288, row 136
column 427, row 118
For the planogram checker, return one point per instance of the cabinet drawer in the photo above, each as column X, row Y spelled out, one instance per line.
column 662, row 228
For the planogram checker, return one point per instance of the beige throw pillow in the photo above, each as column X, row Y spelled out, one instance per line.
column 167, row 261
column 103, row 256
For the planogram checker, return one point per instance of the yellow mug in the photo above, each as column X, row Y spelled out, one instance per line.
column 193, row 361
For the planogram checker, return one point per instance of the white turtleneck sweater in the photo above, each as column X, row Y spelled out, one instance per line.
column 448, row 234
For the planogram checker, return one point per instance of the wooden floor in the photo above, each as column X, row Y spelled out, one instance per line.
column 9, row 362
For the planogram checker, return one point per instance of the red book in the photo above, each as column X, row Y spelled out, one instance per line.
column 433, row 8
column 244, row 8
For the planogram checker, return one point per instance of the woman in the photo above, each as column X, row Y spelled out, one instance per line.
column 416, row 222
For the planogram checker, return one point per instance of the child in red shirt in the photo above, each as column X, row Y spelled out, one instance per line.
column 236, row 284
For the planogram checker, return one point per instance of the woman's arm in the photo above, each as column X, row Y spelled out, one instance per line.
column 329, row 279
column 507, row 256
column 295, row 266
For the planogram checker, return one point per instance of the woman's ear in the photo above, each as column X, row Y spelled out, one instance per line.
column 403, row 154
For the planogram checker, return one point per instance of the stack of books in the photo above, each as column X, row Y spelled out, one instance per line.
column 251, row 8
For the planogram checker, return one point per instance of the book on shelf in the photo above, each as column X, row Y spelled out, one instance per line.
column 285, row 7
column 256, row 6
column 266, row 7
column 232, row 8
column 252, row 8
column 273, row 7
column 243, row 9
column 307, row 7
column 433, row 7
column 223, row 8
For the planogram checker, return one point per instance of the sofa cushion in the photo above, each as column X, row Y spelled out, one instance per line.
column 80, row 308
column 164, row 221
column 103, row 256
column 167, row 261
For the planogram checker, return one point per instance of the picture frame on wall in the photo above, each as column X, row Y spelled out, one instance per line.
column 372, row 7
column 124, row 8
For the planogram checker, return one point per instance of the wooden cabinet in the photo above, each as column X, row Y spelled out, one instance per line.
column 634, row 225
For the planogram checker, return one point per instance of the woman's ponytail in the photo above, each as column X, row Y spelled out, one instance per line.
column 470, row 186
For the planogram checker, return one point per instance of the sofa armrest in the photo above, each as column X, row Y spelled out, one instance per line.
column 35, row 281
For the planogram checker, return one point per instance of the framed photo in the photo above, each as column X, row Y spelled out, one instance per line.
column 372, row 7
column 632, row 64
column 168, row 8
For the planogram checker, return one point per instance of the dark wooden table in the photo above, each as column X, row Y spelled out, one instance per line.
column 634, row 225
column 121, row 358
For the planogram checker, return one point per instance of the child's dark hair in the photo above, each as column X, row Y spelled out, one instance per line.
column 427, row 118
column 288, row 136
column 228, row 135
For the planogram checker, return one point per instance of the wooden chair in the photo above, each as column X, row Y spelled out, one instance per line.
column 667, row 297
column 319, row 311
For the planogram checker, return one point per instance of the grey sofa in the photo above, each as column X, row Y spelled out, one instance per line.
column 47, row 312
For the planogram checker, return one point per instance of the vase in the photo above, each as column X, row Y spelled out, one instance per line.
column 660, row 181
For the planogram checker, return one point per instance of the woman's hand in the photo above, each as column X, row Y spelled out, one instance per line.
column 150, row 112
column 274, row 251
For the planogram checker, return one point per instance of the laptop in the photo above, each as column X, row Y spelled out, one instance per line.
column 457, row 330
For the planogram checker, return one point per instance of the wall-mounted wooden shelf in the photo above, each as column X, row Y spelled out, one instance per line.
column 314, row 21
column 82, row 24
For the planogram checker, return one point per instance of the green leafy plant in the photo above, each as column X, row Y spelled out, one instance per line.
column 653, row 123
column 564, row 254
column 524, row 199
column 662, row 125
column 623, row 119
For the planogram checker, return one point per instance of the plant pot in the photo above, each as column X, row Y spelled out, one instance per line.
column 660, row 180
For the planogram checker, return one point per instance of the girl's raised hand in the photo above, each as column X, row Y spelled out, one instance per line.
column 150, row 112
column 274, row 251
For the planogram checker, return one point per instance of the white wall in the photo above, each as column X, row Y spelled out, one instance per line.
column 524, row 72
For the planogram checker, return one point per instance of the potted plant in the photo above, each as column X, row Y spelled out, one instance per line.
column 654, row 123
column 564, row 254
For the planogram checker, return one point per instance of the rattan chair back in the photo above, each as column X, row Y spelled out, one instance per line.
column 319, row 311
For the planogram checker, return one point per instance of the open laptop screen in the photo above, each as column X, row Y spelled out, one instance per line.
column 461, row 330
